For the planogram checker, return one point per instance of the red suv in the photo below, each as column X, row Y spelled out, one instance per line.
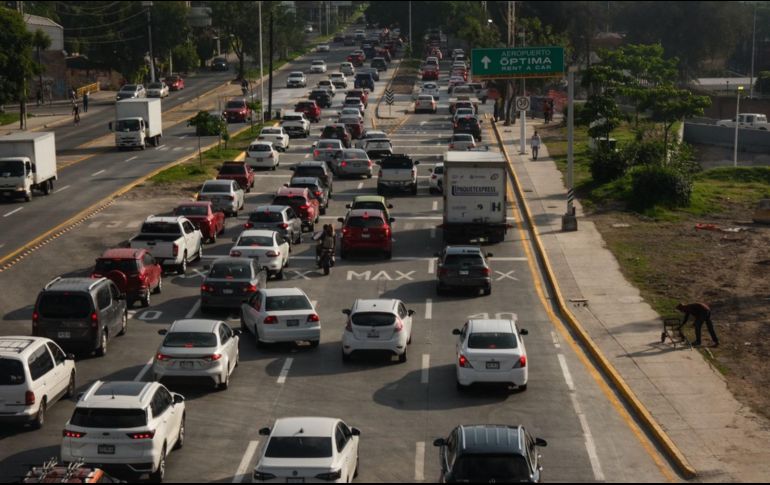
column 310, row 108
column 304, row 204
column 238, row 171
column 429, row 73
column 175, row 83
column 134, row 271
column 237, row 111
column 366, row 229
column 363, row 94
column 210, row 223
column 356, row 59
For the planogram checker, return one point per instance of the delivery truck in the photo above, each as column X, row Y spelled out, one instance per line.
column 27, row 163
column 138, row 123
column 475, row 205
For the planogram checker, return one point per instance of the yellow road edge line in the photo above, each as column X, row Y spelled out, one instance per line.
column 642, row 413
column 98, row 206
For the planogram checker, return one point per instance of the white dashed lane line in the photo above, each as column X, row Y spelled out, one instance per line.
column 61, row 189
column 98, row 173
column 12, row 212
column 425, row 371
column 285, row 370
column 144, row 370
column 193, row 310
column 132, row 158
column 244, row 467
column 419, row 461
column 428, row 308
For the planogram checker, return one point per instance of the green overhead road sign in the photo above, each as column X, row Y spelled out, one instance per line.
column 517, row 62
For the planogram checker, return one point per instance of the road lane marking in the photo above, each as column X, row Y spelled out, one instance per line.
column 193, row 310
column 425, row 369
column 409, row 226
column 144, row 370
column 566, row 372
column 555, row 340
column 12, row 212
column 431, row 266
column 419, row 462
column 428, row 309
column 132, row 158
column 435, row 205
column 161, row 147
column 97, row 173
column 62, row 189
column 360, row 185
column 243, row 468
column 285, row 370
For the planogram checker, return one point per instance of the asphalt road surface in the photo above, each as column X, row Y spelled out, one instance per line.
column 399, row 408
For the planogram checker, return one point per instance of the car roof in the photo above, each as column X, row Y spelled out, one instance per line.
column 261, row 142
column 492, row 326
column 489, row 439
column 194, row 325
column 21, row 346
column 292, row 191
column 118, row 394
column 369, row 198
column 462, row 249
column 296, row 73
column 257, row 232
column 122, row 253
column 310, row 426
column 72, row 284
column 375, row 305
column 306, row 180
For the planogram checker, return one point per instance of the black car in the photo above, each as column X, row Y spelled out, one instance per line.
column 470, row 125
column 490, row 453
column 371, row 70
column 364, row 80
column 379, row 63
column 314, row 168
column 322, row 97
column 337, row 131
column 463, row 267
column 220, row 64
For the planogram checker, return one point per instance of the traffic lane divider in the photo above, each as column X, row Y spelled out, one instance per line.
column 642, row 413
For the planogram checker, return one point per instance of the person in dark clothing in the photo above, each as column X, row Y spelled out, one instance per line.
column 85, row 102
column 702, row 314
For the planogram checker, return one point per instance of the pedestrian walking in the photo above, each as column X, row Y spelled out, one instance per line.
column 497, row 111
column 85, row 102
column 76, row 112
column 547, row 112
column 535, row 144
column 73, row 95
column 702, row 314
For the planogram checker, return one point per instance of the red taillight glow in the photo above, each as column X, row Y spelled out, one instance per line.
column 315, row 153
column 273, row 254
column 486, row 271
column 162, row 357
column 463, row 362
column 270, row 320
column 207, row 289
column 317, row 193
column 399, row 326
column 146, row 435
column 313, row 318
column 94, row 319
column 248, row 225
column 521, row 363
column 304, row 207
column 283, row 226
column 29, row 398
column 35, row 319
column 250, row 289
column 175, row 250
column 212, row 357
column 343, row 163
column 235, row 254
column 72, row 434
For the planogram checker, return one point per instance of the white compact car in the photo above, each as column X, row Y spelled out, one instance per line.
column 377, row 325
column 134, row 425
column 328, row 85
column 491, row 351
column 262, row 154
column 157, row 90
column 323, row 48
column 436, row 181
column 296, row 79
column 269, row 247
column 225, row 194
column 307, row 450
column 34, row 374
column 430, row 89
column 339, row 80
column 318, row 66
column 462, row 141
column 198, row 348
column 277, row 135
column 347, row 69
column 281, row 315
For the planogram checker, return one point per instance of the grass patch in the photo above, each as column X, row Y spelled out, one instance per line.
column 8, row 118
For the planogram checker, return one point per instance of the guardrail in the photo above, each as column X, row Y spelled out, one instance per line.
column 88, row 88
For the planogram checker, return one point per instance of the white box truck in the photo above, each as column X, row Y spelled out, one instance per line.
column 138, row 123
column 475, row 188
column 27, row 163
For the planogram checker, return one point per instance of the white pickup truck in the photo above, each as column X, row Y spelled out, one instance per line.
column 295, row 124
column 397, row 172
column 756, row 121
column 173, row 241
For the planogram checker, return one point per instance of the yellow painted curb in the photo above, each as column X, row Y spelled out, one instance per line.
column 642, row 413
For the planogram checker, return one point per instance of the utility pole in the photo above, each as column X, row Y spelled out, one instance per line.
column 568, row 220
column 410, row 29
column 511, row 21
column 737, row 113
column 261, row 69
column 270, row 74
column 148, row 5
column 753, row 47
column 523, row 132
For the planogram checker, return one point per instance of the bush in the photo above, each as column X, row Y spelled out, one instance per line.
column 185, row 57
column 207, row 124
column 658, row 185
column 644, row 153
column 607, row 165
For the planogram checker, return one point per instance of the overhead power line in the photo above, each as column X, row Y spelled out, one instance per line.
column 91, row 27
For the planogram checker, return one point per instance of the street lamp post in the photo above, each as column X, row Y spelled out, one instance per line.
column 737, row 111
column 753, row 46
column 568, row 220
column 261, row 70
column 148, row 5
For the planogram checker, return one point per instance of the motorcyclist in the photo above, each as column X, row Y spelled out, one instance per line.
column 244, row 86
column 327, row 240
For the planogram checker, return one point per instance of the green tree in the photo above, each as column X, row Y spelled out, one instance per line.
column 170, row 27
column 17, row 66
column 41, row 41
column 185, row 57
column 670, row 104
column 237, row 25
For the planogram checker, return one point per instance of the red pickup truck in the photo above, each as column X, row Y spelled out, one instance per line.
column 210, row 223
column 238, row 171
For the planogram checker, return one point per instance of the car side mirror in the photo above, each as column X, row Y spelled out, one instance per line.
column 541, row 442
column 390, row 206
column 456, row 331
column 178, row 399
column 355, row 431
column 237, row 332
column 523, row 331
column 264, row 432
column 417, row 162
column 490, row 255
column 348, row 206
column 162, row 332
column 439, row 442
column 70, row 357
column 410, row 312
column 346, row 312
column 340, row 219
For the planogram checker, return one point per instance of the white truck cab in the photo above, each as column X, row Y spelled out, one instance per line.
column 27, row 163
column 137, row 123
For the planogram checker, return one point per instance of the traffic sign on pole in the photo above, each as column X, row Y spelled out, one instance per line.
column 389, row 96
column 517, row 62
column 522, row 103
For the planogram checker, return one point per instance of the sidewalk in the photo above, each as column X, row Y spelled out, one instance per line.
column 48, row 116
column 722, row 439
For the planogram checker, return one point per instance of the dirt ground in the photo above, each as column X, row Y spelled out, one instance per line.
column 730, row 271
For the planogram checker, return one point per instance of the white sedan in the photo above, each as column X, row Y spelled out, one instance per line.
column 430, row 89
column 323, row 48
column 157, row 90
column 281, row 315
column 462, row 141
column 308, row 449
column 318, row 66
column 377, row 325
column 269, row 247
column 262, row 154
column 198, row 348
column 491, row 351
column 277, row 135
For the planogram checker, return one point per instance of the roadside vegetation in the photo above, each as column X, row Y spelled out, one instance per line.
column 8, row 118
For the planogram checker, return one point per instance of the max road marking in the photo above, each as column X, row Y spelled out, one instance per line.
column 380, row 276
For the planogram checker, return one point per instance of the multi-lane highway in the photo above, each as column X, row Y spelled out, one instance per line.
column 399, row 408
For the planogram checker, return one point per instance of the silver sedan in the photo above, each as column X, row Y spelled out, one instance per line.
column 225, row 195
column 353, row 162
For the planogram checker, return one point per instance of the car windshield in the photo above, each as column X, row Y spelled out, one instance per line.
column 491, row 468
column 160, row 228
column 232, row 169
column 265, row 217
column 231, row 270
column 11, row 168
column 369, row 205
column 127, row 125
column 349, row 120
column 255, row 241
column 463, row 260
column 355, row 154
column 492, row 340
column 397, row 163
column 467, row 122
column 292, row 118
column 288, row 200
column 155, row 85
column 11, row 372
column 64, row 305
column 215, row 188
column 128, row 88
column 109, row 418
column 287, row 302
column 377, row 144
column 190, row 339
column 260, row 148
column 364, row 222
column 271, row 131
column 296, row 74
column 309, row 172
column 299, row 447
column 353, row 101
column 373, row 319
column 462, row 137
column 126, row 266
column 318, row 63
column 235, row 105
column 191, row 210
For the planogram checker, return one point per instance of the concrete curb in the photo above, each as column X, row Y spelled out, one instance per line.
column 641, row 412
column 379, row 101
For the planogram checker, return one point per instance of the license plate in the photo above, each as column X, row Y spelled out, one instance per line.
column 295, row 480
column 64, row 334
column 227, row 292
column 493, row 365
column 463, row 273
column 373, row 335
column 106, row 449
column 292, row 323
column 187, row 364
column 365, row 236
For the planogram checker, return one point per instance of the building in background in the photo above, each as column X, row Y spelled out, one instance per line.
column 53, row 59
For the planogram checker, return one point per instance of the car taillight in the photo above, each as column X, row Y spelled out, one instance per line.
column 313, row 317
column 270, row 155
column 443, row 272
column 315, row 153
column 521, row 363
column 345, row 231
column 162, row 357
column 29, row 398
column 414, row 172
column 212, row 357
column 235, row 254
column 464, row 362
column 145, row 435
column 94, row 320
column 304, row 207
column 369, row 162
column 451, row 146
column 72, row 434
column 486, row 271
column 270, row 320
column 248, row 225
column 399, row 326
column 283, row 226
column 273, row 254
column 343, row 163
column 35, row 319
column 175, row 250
column 207, row 289
column 317, row 193
column 434, row 176
column 231, row 197
column 330, row 477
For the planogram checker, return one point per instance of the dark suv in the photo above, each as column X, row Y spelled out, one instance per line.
column 279, row 218
column 364, row 81
column 312, row 168
column 322, row 97
column 80, row 314
column 337, row 131
column 490, row 453
column 470, row 125
column 463, row 267
column 379, row 63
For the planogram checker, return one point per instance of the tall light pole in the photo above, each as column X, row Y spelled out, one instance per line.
column 148, row 6
column 569, row 220
column 261, row 70
column 523, row 132
column 511, row 17
column 737, row 112
column 753, row 47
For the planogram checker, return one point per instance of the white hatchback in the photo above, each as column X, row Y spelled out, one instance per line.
column 318, row 66
column 347, row 69
column 262, row 154
column 269, row 248
column 462, row 141
column 377, row 325
column 281, row 315
column 277, row 135
column 308, row 450
column 491, row 351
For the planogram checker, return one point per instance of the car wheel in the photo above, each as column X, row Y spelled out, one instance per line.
column 39, row 420
column 159, row 288
column 180, row 438
column 70, row 387
column 200, row 252
column 146, row 299
column 158, row 475
column 522, row 388
column 343, row 254
column 388, row 254
column 279, row 274
column 414, row 189
column 224, row 382
column 182, row 269
column 124, row 324
column 102, row 350
column 403, row 357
